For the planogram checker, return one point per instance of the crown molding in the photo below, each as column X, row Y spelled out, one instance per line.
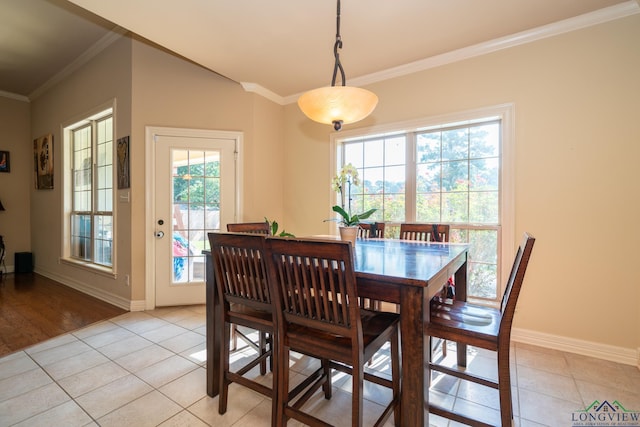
column 572, row 24
column 260, row 90
column 607, row 14
column 14, row 96
column 111, row 37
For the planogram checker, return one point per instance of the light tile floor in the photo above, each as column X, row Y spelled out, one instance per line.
column 148, row 369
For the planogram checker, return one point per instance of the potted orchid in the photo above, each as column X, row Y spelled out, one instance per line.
column 341, row 184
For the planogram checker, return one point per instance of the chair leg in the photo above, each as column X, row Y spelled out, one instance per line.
column 271, row 344
column 277, row 378
column 357, row 375
column 282, row 387
column 504, row 387
column 224, row 381
column 442, row 342
column 327, row 386
column 262, row 345
column 395, row 378
column 234, row 338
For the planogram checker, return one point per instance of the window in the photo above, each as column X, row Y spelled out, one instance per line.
column 90, row 190
column 439, row 172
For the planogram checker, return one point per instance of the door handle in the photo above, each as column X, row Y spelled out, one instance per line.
column 159, row 234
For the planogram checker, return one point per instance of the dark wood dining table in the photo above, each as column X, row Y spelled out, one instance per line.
column 407, row 273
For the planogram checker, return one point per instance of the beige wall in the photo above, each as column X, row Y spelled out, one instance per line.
column 171, row 92
column 15, row 186
column 577, row 144
column 105, row 78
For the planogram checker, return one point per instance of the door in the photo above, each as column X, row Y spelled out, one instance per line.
column 195, row 192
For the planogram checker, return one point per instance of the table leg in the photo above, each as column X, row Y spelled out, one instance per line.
column 414, row 400
column 214, row 338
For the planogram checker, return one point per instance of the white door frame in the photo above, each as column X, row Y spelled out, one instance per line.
column 150, row 190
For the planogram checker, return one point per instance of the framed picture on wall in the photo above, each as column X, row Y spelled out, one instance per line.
column 5, row 166
column 43, row 161
column 123, row 162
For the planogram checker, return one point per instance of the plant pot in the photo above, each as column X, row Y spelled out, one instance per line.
column 349, row 234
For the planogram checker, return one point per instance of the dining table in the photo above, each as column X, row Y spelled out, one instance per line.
column 403, row 272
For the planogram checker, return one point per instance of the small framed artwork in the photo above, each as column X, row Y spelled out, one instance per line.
column 123, row 162
column 5, row 165
column 43, row 162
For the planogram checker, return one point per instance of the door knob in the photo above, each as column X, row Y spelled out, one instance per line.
column 159, row 234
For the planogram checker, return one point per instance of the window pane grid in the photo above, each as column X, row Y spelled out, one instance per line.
column 382, row 171
column 456, row 179
column 196, row 206
column 91, row 237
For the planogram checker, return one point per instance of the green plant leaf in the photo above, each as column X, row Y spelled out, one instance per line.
column 354, row 219
column 273, row 225
column 342, row 212
column 366, row 214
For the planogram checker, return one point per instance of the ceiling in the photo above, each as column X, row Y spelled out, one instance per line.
column 282, row 47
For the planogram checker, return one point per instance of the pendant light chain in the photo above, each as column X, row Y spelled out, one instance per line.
column 337, row 105
column 336, row 46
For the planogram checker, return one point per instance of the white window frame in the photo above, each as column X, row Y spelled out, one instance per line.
column 505, row 113
column 108, row 108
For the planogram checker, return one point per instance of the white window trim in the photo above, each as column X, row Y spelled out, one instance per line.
column 67, row 199
column 506, row 112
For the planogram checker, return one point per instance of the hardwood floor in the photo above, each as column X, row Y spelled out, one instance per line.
column 34, row 308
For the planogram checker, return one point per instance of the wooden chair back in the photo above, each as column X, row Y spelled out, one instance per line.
column 313, row 283
column 240, row 269
column 316, row 285
column 514, row 284
column 249, row 227
column 371, row 230
column 425, row 232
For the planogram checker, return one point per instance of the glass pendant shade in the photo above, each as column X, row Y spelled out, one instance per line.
column 337, row 104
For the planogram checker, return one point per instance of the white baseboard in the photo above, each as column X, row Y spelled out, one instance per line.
column 116, row 300
column 138, row 305
column 627, row 356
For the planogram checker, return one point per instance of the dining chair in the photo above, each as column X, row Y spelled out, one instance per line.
column 371, row 230
column 252, row 228
column 425, row 232
column 314, row 287
column 484, row 327
column 249, row 227
column 239, row 262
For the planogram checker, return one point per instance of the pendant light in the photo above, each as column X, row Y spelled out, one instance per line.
column 337, row 105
